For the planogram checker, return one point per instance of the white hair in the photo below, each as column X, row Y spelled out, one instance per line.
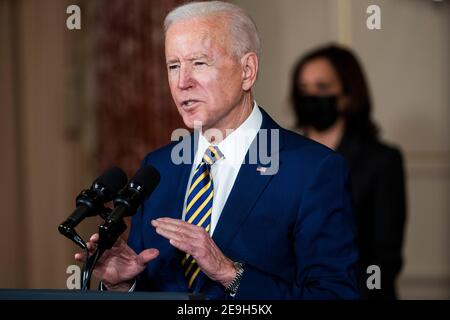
column 243, row 31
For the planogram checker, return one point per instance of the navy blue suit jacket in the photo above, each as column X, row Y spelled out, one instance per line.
column 294, row 230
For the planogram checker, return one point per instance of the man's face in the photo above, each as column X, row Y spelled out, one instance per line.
column 205, row 78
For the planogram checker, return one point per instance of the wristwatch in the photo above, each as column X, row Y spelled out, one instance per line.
column 231, row 289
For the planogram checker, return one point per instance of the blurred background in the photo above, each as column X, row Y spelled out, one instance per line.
column 74, row 102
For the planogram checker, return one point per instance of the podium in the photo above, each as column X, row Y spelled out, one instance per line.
column 57, row 294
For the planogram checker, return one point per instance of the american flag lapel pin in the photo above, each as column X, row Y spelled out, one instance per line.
column 261, row 169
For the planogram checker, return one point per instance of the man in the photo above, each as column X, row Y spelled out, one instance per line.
column 222, row 225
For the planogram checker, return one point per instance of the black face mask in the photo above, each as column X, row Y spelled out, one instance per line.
column 319, row 112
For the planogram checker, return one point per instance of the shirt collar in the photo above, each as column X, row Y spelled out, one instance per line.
column 235, row 146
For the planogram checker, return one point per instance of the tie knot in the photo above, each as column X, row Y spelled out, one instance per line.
column 212, row 154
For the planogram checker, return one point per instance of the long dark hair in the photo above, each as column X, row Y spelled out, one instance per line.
column 354, row 84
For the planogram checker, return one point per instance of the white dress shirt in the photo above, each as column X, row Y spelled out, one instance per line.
column 224, row 172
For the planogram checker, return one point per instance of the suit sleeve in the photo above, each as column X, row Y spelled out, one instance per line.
column 324, row 243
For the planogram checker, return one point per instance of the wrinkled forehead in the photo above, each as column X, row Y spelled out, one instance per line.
column 210, row 33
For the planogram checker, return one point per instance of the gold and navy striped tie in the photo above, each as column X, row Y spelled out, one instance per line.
column 199, row 205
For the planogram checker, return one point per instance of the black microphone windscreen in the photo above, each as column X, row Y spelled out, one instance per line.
column 114, row 179
column 148, row 178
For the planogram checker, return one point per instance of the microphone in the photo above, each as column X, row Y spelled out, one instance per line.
column 126, row 204
column 90, row 202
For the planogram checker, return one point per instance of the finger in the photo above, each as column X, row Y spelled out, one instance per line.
column 169, row 225
column 91, row 246
column 180, row 232
column 81, row 257
column 169, row 220
column 172, row 222
column 182, row 227
column 147, row 255
column 181, row 224
column 168, row 234
column 94, row 238
column 181, row 245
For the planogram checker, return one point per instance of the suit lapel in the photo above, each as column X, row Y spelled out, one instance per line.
column 247, row 188
column 183, row 171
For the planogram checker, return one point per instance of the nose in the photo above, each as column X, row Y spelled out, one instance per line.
column 185, row 80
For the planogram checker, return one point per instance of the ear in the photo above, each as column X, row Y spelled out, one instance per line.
column 249, row 70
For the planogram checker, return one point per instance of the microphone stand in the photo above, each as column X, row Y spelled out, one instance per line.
column 88, row 267
column 109, row 232
column 91, row 261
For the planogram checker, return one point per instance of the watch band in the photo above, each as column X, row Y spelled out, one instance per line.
column 232, row 288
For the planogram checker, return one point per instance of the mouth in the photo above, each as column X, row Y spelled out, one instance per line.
column 189, row 104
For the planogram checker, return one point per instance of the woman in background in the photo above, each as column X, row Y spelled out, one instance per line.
column 332, row 104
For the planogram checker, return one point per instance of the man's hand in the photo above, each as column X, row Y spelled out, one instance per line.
column 118, row 266
column 194, row 240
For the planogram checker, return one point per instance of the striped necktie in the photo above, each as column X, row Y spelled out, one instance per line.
column 199, row 205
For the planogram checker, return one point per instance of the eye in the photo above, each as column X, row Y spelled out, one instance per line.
column 199, row 63
column 173, row 66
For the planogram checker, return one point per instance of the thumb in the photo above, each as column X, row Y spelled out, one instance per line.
column 147, row 255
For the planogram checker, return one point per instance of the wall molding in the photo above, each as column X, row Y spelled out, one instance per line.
column 428, row 164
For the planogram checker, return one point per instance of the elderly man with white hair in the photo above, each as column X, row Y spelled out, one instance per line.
column 224, row 223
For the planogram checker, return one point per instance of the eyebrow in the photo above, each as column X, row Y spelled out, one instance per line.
column 198, row 56
column 191, row 58
column 172, row 61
